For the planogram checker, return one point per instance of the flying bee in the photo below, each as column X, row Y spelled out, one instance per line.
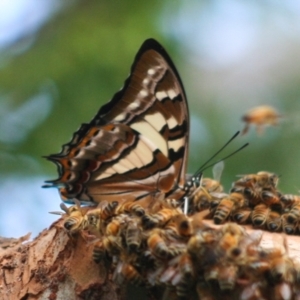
column 227, row 206
column 273, row 222
column 260, row 215
column 261, row 116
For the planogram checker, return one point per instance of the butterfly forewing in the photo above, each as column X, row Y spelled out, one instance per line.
column 136, row 145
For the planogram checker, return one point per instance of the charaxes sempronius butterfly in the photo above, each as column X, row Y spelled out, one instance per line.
column 136, row 146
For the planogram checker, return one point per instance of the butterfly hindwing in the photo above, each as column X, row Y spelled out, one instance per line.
column 136, row 145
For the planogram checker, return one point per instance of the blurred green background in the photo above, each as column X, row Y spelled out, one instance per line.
column 60, row 63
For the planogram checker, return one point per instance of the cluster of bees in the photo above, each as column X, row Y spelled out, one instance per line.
column 253, row 199
column 159, row 247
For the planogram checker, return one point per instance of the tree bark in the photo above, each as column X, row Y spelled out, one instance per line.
column 55, row 266
column 52, row 266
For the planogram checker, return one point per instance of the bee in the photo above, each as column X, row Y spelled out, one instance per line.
column 157, row 244
column 133, row 236
column 262, row 179
column 180, row 225
column 132, row 207
column 160, row 218
column 229, row 242
column 214, row 185
column 280, row 265
column 211, row 274
column 288, row 227
column 209, row 189
column 260, row 116
column 289, row 200
column 113, row 244
column 204, row 291
column 201, row 199
column 227, row 276
column 100, row 254
column 227, row 206
column 204, row 200
column 172, row 203
column 282, row 291
column 94, row 220
column 108, row 210
column 253, row 195
column 252, row 291
column 293, row 216
column 116, row 225
column 202, row 247
column 260, row 215
column 127, row 273
column 242, row 215
column 273, row 222
column 74, row 217
column 179, row 274
column 272, row 200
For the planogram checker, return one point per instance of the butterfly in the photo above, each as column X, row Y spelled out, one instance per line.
column 136, row 146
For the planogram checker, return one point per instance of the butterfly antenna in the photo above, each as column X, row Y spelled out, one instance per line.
column 231, row 154
column 221, row 149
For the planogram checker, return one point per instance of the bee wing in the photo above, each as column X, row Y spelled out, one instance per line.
column 218, row 195
column 218, row 170
column 60, row 213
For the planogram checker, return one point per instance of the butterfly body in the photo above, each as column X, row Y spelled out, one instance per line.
column 136, row 146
